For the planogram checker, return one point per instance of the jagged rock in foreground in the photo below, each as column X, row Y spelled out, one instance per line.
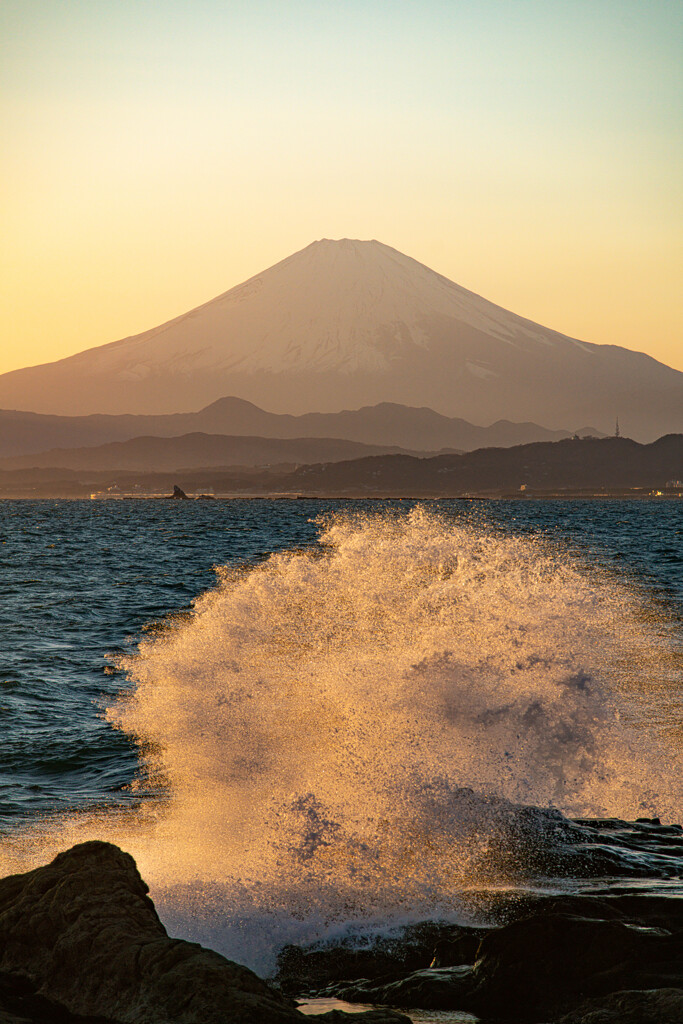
column 613, row 953
column 660, row 1006
column 557, row 954
column 81, row 943
column 548, row 962
column 388, row 959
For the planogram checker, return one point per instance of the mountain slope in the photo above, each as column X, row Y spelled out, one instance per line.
column 196, row 451
column 609, row 463
column 385, row 424
column 349, row 323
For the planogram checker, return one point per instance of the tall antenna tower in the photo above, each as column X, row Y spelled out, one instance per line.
column 616, row 429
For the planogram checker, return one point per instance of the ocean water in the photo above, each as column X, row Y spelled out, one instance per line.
column 309, row 719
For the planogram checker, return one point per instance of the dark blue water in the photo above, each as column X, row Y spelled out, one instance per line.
column 81, row 580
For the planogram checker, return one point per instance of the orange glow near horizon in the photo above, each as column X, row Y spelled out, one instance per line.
column 528, row 152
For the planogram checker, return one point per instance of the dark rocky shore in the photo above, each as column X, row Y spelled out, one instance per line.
column 561, row 958
column 81, row 943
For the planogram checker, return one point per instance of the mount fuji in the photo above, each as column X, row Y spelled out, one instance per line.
column 347, row 323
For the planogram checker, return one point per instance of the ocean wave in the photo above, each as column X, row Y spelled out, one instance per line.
column 358, row 731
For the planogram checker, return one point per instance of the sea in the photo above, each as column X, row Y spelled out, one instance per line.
column 309, row 720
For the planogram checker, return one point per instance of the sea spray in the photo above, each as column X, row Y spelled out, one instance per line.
column 343, row 734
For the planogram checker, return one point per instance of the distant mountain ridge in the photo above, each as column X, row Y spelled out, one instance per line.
column 24, row 433
column 349, row 323
column 609, row 463
column 199, row 451
column 598, row 466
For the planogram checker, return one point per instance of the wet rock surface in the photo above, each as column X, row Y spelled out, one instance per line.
column 81, row 943
column 541, row 842
column 663, row 1006
column 307, row 971
column 543, row 965
column 612, row 952
column 538, row 967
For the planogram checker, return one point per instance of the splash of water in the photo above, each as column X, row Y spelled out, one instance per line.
column 344, row 732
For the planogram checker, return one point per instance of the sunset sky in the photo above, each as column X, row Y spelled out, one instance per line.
column 154, row 154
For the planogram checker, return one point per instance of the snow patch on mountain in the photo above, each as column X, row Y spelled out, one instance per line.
column 348, row 323
column 342, row 307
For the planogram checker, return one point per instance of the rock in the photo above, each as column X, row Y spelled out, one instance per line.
column 445, row 988
column 20, row 1003
column 653, row 1006
column 550, row 962
column 178, row 492
column 81, row 943
column 545, row 964
column 313, row 969
column 461, row 948
column 543, row 843
column 535, row 840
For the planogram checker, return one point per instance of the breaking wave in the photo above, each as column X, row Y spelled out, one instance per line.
column 346, row 734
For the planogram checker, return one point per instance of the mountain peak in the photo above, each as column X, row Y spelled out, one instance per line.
column 345, row 323
column 348, row 243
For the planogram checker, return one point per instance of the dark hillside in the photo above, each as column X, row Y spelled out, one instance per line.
column 612, row 463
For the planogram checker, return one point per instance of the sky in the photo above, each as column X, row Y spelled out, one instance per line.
column 154, row 153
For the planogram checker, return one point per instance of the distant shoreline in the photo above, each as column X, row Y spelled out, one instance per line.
column 279, row 496
column 606, row 468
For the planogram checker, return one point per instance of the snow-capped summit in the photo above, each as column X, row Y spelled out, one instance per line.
column 348, row 323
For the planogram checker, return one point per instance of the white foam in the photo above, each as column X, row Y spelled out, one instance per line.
column 343, row 732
